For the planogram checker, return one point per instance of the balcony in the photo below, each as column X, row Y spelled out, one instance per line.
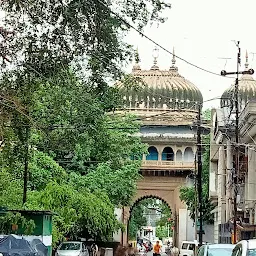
column 167, row 165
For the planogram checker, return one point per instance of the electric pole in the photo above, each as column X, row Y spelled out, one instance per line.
column 199, row 175
column 236, row 174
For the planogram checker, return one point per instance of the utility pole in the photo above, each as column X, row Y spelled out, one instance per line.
column 196, row 201
column 199, row 175
column 236, row 174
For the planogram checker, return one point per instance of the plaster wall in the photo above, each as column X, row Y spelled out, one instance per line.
column 221, row 187
column 117, row 237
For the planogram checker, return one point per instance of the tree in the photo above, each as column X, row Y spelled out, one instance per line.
column 54, row 99
column 137, row 220
column 79, row 213
column 87, row 32
column 71, row 145
column 187, row 194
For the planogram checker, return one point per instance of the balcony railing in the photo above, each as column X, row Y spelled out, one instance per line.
column 154, row 164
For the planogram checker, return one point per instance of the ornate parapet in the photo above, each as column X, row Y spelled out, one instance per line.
column 167, row 165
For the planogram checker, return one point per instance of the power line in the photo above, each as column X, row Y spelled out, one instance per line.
column 155, row 43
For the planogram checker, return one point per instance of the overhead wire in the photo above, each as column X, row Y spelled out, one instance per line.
column 156, row 43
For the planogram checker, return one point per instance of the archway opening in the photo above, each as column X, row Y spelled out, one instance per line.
column 188, row 155
column 168, row 154
column 152, row 153
column 150, row 220
column 179, row 156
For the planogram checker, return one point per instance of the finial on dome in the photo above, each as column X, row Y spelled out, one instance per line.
column 246, row 61
column 155, row 56
column 173, row 67
column 173, row 57
column 136, row 67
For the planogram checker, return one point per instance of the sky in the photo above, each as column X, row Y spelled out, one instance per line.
column 202, row 32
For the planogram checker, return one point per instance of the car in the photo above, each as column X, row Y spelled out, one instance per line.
column 245, row 248
column 216, row 250
column 72, row 248
column 188, row 248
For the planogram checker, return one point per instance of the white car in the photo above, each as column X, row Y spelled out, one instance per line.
column 216, row 250
column 188, row 248
column 72, row 249
column 245, row 248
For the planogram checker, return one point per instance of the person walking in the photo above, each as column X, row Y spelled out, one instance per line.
column 157, row 249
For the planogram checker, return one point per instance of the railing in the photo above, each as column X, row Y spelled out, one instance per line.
column 167, row 164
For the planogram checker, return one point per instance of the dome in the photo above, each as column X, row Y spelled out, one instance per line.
column 246, row 90
column 160, row 90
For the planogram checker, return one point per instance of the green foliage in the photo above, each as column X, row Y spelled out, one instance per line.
column 10, row 219
column 54, row 119
column 162, row 232
column 207, row 114
column 187, row 194
column 142, row 209
column 43, row 169
column 81, row 32
column 119, row 184
column 79, row 213
column 11, row 190
column 137, row 220
column 166, row 215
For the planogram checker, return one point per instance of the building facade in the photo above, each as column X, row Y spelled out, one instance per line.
column 225, row 163
column 167, row 105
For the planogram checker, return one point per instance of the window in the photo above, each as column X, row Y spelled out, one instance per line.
column 188, row 155
column 184, row 246
column 191, row 247
column 153, row 154
column 167, row 154
column 201, row 251
column 70, row 246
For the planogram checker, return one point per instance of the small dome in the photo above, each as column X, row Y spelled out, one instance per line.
column 161, row 90
column 246, row 91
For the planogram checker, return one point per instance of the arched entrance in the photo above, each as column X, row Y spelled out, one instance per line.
column 163, row 188
column 150, row 217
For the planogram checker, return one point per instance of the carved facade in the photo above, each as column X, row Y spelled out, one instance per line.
column 167, row 104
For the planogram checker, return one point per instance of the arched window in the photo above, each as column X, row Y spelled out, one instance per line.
column 188, row 155
column 179, row 156
column 167, row 154
column 153, row 154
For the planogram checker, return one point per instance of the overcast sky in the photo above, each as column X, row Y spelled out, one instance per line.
column 202, row 32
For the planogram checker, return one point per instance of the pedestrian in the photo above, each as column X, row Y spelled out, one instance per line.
column 131, row 251
column 156, row 249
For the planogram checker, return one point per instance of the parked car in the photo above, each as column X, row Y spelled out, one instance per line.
column 245, row 248
column 216, row 250
column 188, row 248
column 72, row 249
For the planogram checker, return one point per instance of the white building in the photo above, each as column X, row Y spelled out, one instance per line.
column 223, row 162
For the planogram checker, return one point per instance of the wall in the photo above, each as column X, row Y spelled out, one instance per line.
column 117, row 237
column 186, row 227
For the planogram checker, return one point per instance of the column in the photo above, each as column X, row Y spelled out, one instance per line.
column 251, row 196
